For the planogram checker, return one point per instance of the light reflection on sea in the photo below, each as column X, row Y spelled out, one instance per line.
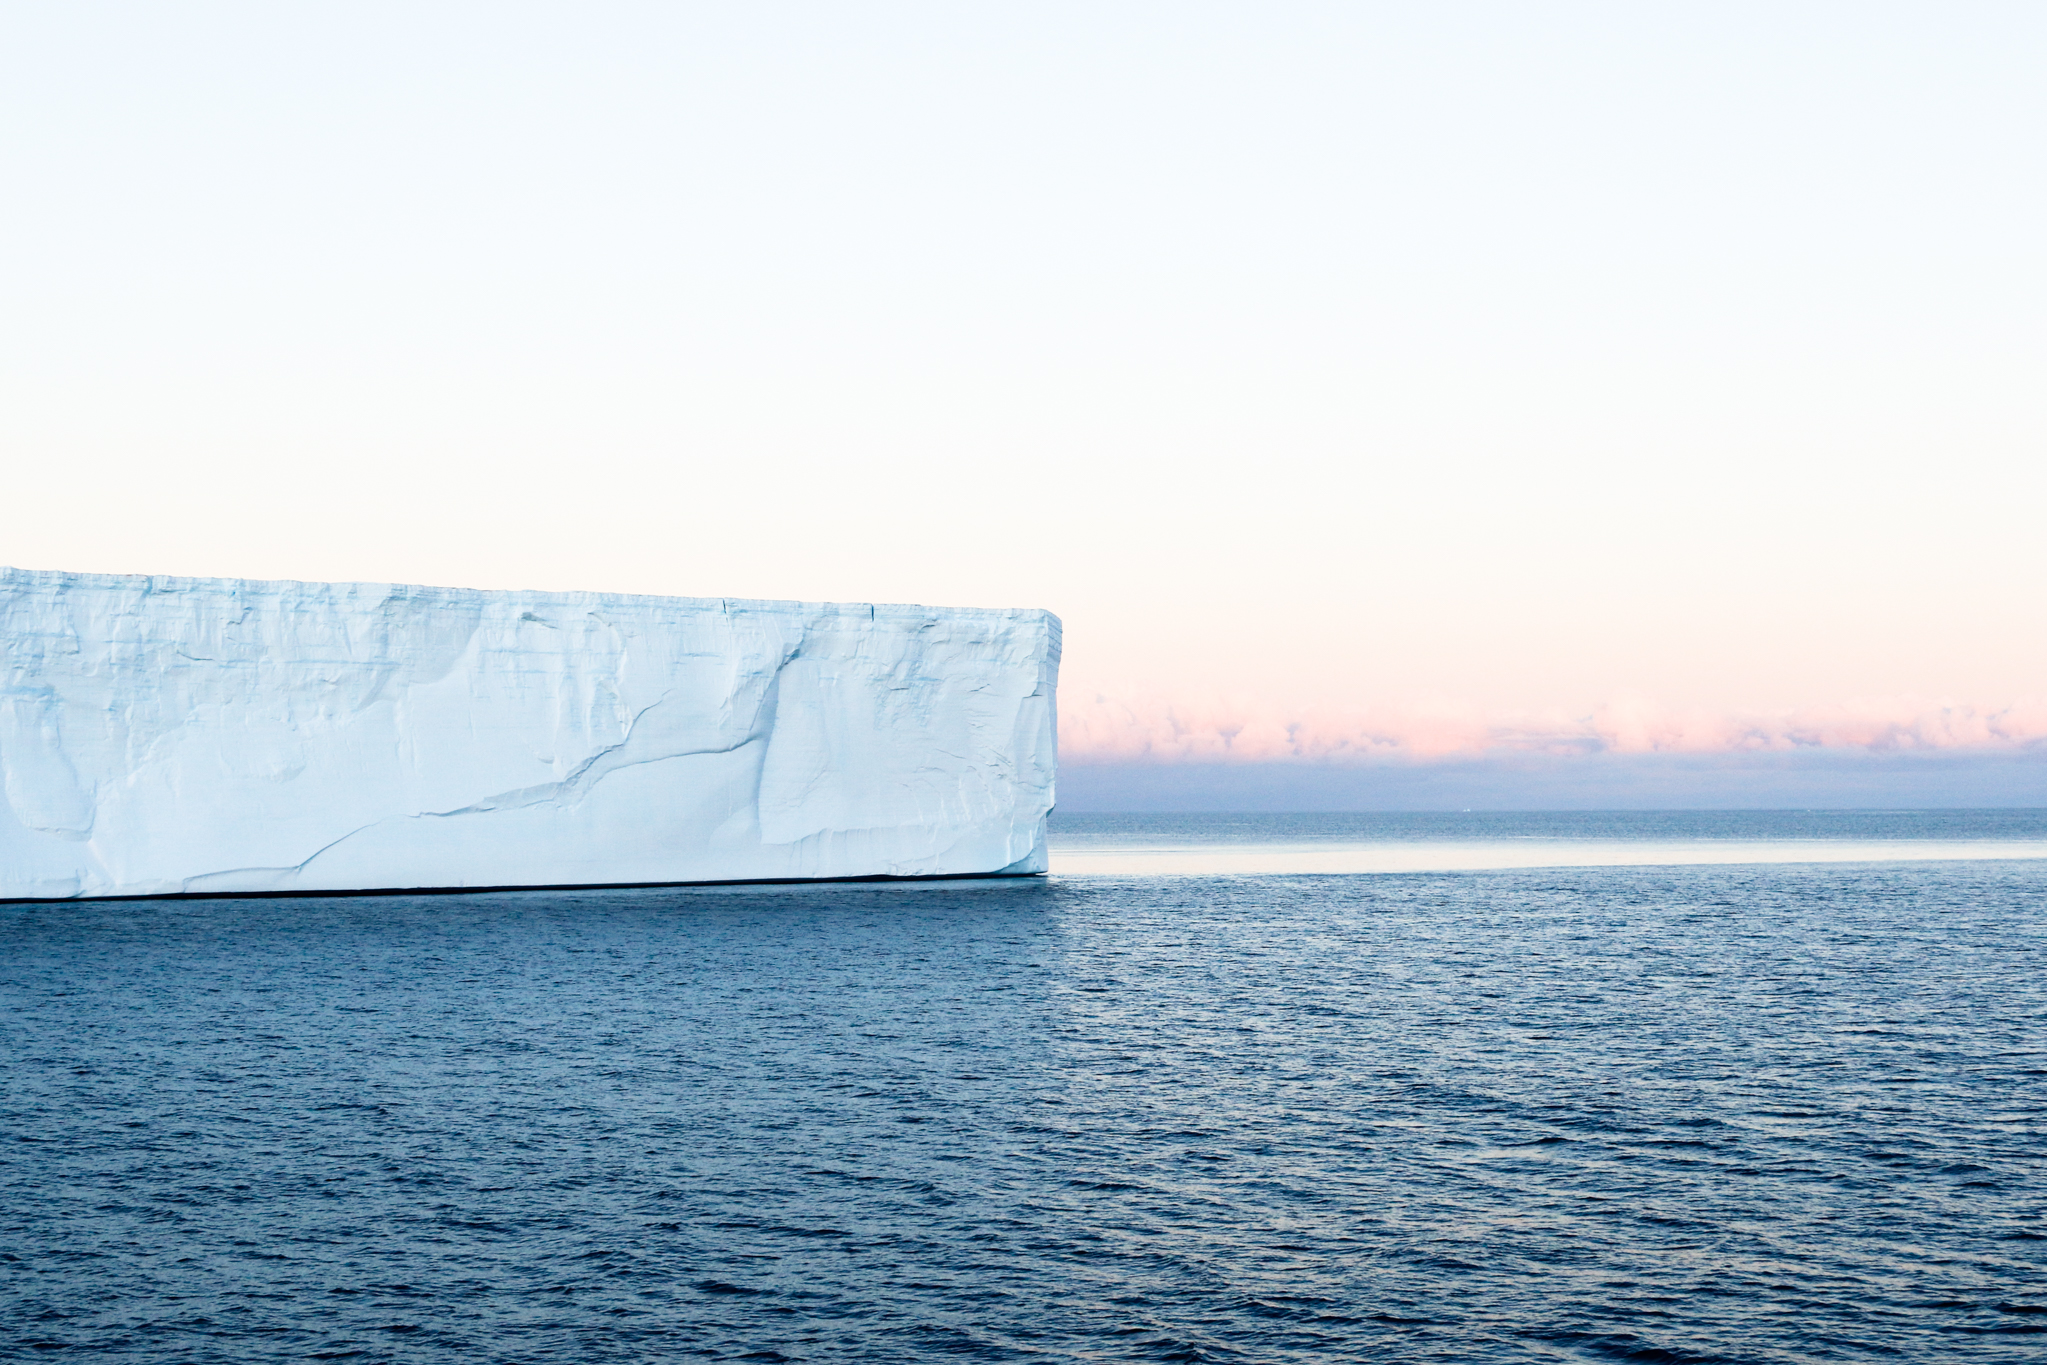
column 1478, row 855
column 1332, row 845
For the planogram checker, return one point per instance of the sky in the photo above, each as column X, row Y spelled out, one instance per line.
column 1410, row 384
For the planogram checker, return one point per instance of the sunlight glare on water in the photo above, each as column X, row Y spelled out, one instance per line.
column 1197, row 846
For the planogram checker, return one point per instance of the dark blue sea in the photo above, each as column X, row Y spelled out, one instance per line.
column 1682, row 1112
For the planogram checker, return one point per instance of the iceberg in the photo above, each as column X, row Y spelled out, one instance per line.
column 180, row 736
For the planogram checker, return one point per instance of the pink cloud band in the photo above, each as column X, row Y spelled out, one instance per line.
column 1101, row 729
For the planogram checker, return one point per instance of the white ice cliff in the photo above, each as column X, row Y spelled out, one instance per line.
column 168, row 735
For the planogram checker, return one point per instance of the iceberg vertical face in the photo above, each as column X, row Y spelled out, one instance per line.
column 178, row 735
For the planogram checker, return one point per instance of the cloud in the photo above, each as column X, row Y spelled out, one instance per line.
column 1095, row 728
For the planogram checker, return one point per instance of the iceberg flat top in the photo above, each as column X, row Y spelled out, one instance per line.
column 176, row 583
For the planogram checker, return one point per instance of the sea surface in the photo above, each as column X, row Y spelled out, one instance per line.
column 1660, row 1091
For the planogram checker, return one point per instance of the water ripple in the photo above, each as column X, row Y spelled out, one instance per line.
column 1621, row 1114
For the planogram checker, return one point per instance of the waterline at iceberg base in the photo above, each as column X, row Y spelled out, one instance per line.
column 178, row 736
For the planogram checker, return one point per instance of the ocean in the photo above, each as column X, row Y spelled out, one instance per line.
column 1686, row 1088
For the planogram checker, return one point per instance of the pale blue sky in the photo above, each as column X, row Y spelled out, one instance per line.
column 1493, row 360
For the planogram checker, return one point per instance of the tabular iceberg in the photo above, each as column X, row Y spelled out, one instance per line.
column 189, row 735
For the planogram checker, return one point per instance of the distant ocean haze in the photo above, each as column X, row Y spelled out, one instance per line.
column 1844, row 779
column 1248, row 752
